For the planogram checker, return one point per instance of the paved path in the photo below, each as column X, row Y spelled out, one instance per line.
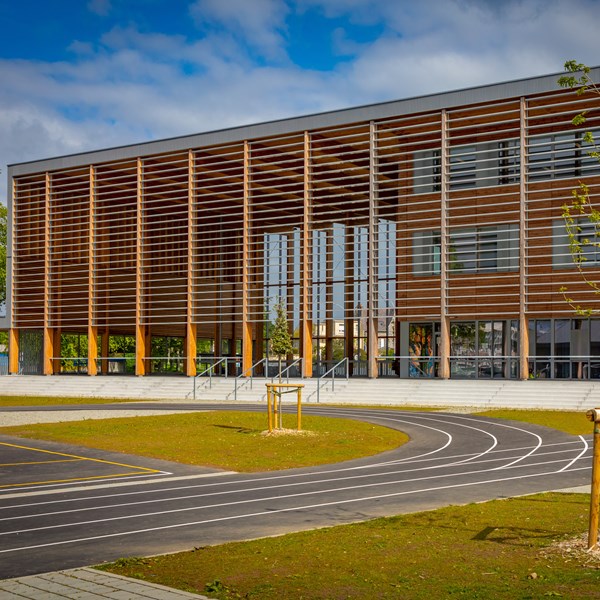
column 87, row 584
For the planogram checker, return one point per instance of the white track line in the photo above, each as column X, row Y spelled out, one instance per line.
column 271, row 512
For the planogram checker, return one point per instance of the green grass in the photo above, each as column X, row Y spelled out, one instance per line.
column 56, row 400
column 228, row 439
column 570, row 422
column 494, row 550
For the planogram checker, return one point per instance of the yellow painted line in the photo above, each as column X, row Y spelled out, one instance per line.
column 52, row 481
column 99, row 460
column 40, row 462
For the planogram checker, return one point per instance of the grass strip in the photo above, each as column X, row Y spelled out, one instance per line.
column 571, row 422
column 56, row 400
column 230, row 440
column 500, row 549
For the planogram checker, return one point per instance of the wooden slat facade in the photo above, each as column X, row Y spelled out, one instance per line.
column 440, row 218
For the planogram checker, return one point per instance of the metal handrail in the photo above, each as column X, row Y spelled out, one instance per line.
column 280, row 374
column 244, row 374
column 332, row 370
column 210, row 370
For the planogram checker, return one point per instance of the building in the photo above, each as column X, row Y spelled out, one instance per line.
column 414, row 238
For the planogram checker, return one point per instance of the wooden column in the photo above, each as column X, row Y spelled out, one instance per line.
column 372, row 260
column 258, row 298
column 246, row 241
column 523, row 318
column 349, row 308
column 56, row 349
column 306, row 341
column 329, row 323
column 13, row 351
column 92, row 357
column 219, row 273
column 105, row 351
column 141, row 333
column 444, row 367
column 48, row 363
column 191, row 329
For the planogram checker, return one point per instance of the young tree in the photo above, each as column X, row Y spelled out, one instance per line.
column 281, row 341
column 580, row 209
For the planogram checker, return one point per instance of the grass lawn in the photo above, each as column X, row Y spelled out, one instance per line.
column 500, row 549
column 225, row 439
column 55, row 400
column 568, row 421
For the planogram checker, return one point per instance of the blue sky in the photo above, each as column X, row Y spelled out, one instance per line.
column 83, row 74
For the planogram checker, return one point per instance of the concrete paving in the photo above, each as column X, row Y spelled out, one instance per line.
column 87, row 584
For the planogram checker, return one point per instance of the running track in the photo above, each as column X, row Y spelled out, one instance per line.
column 451, row 459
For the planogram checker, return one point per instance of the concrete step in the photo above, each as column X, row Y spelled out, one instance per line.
column 555, row 394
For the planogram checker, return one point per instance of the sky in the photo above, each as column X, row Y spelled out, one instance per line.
column 79, row 75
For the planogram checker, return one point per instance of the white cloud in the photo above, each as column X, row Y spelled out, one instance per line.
column 131, row 86
column 259, row 23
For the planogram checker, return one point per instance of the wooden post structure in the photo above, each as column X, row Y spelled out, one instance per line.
column 13, row 351
column 523, row 319
column 141, row 334
column 105, row 351
column 372, row 260
column 92, row 357
column 191, row 329
column 274, row 403
column 246, row 239
column 306, row 342
column 444, row 367
column 594, row 416
column 349, row 309
column 48, row 362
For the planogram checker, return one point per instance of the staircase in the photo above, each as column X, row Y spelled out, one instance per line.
column 548, row 394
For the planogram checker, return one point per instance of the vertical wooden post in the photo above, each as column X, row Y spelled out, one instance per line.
column 141, row 333
column 444, row 367
column 299, row 411
column 269, row 407
column 329, row 323
column 56, row 349
column 13, row 351
column 246, row 241
column 349, row 308
column 306, row 350
column 191, row 329
column 105, row 351
column 523, row 318
column 48, row 363
column 594, row 416
column 92, row 357
column 13, row 333
column 372, row 260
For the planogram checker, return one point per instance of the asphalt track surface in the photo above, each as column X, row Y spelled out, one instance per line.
column 64, row 507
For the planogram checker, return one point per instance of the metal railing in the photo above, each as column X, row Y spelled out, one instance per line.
column 242, row 380
column 322, row 381
column 280, row 375
column 209, row 371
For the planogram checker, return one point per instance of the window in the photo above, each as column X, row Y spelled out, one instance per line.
column 560, row 155
column 427, row 171
column 463, row 167
column 484, row 249
column 474, row 250
column 469, row 166
column 427, row 252
column 587, row 234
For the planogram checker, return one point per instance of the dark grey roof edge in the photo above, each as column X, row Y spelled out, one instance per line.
column 344, row 116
